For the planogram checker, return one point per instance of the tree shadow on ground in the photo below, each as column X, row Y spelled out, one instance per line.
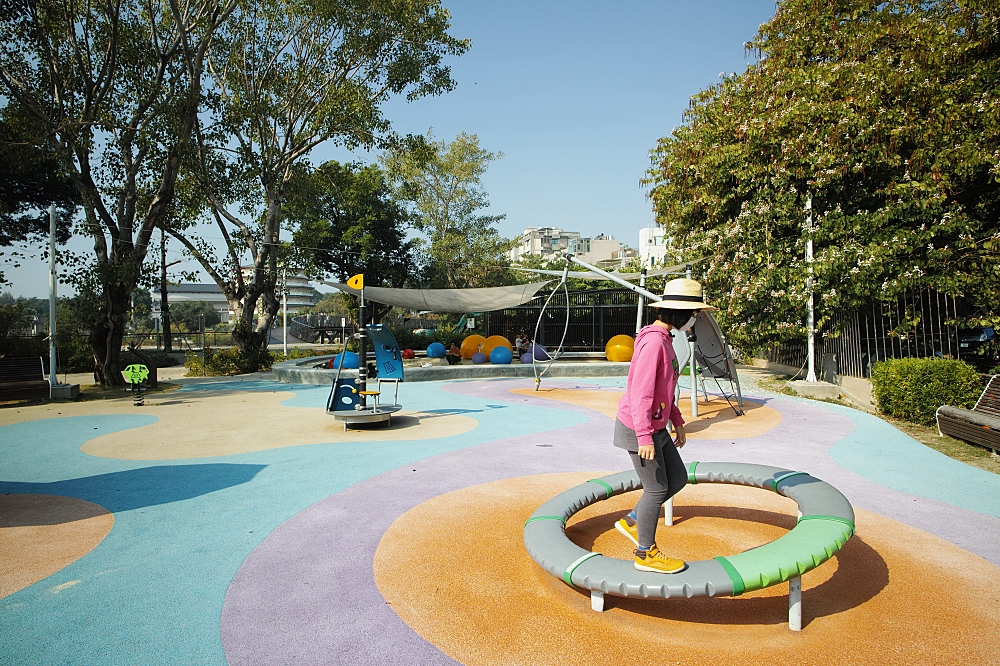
column 861, row 574
column 135, row 488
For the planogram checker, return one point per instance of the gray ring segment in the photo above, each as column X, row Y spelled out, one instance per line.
column 546, row 541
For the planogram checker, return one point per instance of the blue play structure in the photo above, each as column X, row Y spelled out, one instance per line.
column 349, row 397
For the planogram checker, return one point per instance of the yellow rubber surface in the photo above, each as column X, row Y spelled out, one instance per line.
column 454, row 568
column 41, row 534
column 202, row 424
column 716, row 419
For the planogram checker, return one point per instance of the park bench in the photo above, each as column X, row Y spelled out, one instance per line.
column 979, row 425
column 23, row 379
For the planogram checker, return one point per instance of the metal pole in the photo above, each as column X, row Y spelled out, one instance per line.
column 810, row 321
column 284, row 313
column 362, row 352
column 53, row 381
column 642, row 303
column 204, row 356
column 168, row 344
column 795, row 603
column 615, row 278
column 692, row 363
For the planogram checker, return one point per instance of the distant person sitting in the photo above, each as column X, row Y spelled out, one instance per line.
column 453, row 355
column 521, row 343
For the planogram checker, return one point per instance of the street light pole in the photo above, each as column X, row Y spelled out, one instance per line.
column 52, row 297
column 284, row 313
column 642, row 302
column 810, row 316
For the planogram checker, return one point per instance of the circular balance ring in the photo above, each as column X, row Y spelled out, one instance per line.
column 825, row 525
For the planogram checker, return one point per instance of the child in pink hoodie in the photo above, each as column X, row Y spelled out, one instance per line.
column 641, row 426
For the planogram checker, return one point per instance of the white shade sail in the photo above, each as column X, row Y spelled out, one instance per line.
column 449, row 300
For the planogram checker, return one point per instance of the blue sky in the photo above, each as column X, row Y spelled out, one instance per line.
column 575, row 94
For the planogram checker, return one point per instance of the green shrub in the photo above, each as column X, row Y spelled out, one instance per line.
column 227, row 361
column 913, row 388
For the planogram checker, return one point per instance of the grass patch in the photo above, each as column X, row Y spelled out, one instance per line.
column 970, row 454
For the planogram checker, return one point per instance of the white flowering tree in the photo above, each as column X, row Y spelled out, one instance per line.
column 886, row 116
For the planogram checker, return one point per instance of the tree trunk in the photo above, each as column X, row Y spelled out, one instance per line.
column 106, row 340
column 249, row 335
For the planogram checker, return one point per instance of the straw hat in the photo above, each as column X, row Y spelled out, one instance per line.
column 683, row 294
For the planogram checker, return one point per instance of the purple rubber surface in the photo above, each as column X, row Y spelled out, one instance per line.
column 307, row 593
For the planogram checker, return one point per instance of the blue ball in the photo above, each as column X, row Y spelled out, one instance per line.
column 435, row 350
column 478, row 358
column 540, row 353
column 526, row 358
column 501, row 356
column 350, row 360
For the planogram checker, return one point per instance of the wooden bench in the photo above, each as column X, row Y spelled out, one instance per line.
column 981, row 424
column 23, row 379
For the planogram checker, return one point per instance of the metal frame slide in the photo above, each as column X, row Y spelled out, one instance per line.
column 825, row 523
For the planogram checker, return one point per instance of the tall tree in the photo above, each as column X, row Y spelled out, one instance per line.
column 347, row 221
column 115, row 89
column 884, row 114
column 443, row 182
column 286, row 77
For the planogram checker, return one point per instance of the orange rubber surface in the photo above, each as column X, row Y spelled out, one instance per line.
column 455, row 570
column 41, row 534
column 715, row 420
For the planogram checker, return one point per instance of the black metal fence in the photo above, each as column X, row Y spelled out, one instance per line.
column 914, row 326
column 320, row 328
column 594, row 318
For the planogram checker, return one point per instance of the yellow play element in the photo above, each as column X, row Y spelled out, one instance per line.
column 471, row 345
column 357, row 281
column 493, row 342
column 620, row 348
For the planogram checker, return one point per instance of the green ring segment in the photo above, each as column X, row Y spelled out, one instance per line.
column 534, row 518
column 568, row 574
column 607, row 487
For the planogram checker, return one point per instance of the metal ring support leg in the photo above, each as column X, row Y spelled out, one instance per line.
column 597, row 601
column 795, row 603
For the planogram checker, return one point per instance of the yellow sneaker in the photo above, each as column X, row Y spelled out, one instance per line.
column 657, row 562
column 629, row 528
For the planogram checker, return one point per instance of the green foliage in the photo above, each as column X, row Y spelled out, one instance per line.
column 443, row 182
column 348, row 221
column 913, row 388
column 189, row 313
column 229, row 361
column 887, row 116
column 407, row 339
column 31, row 178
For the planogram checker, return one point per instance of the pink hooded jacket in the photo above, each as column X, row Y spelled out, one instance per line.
column 648, row 402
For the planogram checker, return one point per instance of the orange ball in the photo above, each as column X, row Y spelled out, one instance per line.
column 620, row 349
column 471, row 344
column 493, row 342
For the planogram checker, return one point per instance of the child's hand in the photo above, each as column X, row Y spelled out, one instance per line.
column 680, row 437
column 647, row 452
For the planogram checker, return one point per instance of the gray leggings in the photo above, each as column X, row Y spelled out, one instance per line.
column 662, row 478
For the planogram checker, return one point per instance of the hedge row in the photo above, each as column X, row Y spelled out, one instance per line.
column 913, row 388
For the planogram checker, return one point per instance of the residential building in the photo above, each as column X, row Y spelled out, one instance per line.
column 600, row 250
column 652, row 246
column 543, row 242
